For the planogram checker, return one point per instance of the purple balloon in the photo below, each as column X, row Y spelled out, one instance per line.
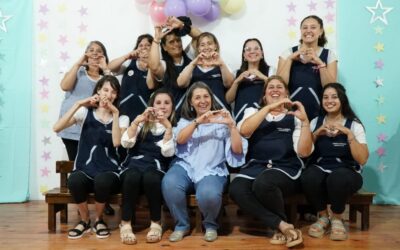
column 199, row 7
column 175, row 8
column 214, row 12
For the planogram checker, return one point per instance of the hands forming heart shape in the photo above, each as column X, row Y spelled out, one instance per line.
column 331, row 131
column 208, row 59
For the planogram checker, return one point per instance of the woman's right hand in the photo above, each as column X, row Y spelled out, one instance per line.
column 91, row 101
column 83, row 60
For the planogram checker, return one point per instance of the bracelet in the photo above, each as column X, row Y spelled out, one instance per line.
column 350, row 140
column 157, row 42
column 323, row 65
column 195, row 123
column 137, row 124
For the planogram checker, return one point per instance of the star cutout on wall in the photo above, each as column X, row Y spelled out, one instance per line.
column 381, row 167
column 44, row 94
column 379, row 64
column 62, row 8
column 46, row 140
column 83, row 11
column 82, row 42
column 44, row 172
column 329, row 4
column 46, row 155
column 43, row 62
column 379, row 30
column 292, row 21
column 82, row 27
column 381, row 119
column 329, row 30
column 312, row 6
column 379, row 16
column 42, row 37
column 381, row 151
column 43, row 9
column 42, row 25
column 45, row 124
column 292, row 35
column 379, row 47
column 44, row 108
column 329, row 18
column 44, row 80
column 3, row 20
column 62, row 39
column 64, row 56
column 379, row 82
column 291, row 7
column 382, row 137
column 380, row 99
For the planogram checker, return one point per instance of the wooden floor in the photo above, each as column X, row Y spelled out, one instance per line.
column 24, row 226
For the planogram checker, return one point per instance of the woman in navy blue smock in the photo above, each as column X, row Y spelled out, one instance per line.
column 96, row 165
column 277, row 140
column 246, row 89
column 208, row 67
column 309, row 66
column 334, row 171
column 150, row 145
column 174, row 57
column 135, row 92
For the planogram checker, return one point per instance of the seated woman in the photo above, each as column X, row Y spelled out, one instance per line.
column 151, row 146
column 206, row 137
column 334, row 171
column 96, row 164
column 277, row 139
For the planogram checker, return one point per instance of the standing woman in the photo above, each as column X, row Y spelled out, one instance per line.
column 96, row 164
column 206, row 138
column 174, row 58
column 277, row 139
column 208, row 67
column 78, row 83
column 334, row 173
column 309, row 66
column 151, row 146
column 246, row 90
column 134, row 66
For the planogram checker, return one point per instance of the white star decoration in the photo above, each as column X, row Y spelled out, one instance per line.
column 381, row 167
column 378, row 7
column 379, row 82
column 3, row 20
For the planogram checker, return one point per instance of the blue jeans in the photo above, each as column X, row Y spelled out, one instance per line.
column 176, row 184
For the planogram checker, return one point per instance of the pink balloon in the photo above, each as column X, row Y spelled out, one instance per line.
column 175, row 8
column 214, row 12
column 199, row 7
column 157, row 13
column 142, row 1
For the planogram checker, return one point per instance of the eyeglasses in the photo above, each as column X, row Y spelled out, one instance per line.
column 249, row 49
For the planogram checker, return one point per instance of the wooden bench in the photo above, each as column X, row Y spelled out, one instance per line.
column 58, row 199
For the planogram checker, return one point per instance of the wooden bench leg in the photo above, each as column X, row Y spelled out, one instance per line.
column 51, row 218
column 352, row 213
column 63, row 213
column 198, row 227
column 292, row 213
column 365, row 218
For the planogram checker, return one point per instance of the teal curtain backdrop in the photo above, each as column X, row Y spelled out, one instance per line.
column 15, row 98
column 368, row 56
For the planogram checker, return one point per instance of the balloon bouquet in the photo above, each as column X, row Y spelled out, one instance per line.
column 210, row 10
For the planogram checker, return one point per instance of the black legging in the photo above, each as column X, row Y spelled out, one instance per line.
column 264, row 196
column 133, row 182
column 103, row 185
column 72, row 148
column 321, row 188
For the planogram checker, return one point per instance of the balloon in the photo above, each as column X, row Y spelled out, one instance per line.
column 199, row 7
column 142, row 1
column 175, row 8
column 214, row 12
column 232, row 6
column 157, row 13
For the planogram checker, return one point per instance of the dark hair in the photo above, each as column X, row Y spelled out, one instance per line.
column 142, row 37
column 263, row 102
column 170, row 72
column 209, row 35
column 114, row 84
column 172, row 118
column 322, row 39
column 263, row 67
column 103, row 48
column 346, row 109
column 188, row 112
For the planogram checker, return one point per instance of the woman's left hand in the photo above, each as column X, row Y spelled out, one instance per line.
column 108, row 105
column 298, row 111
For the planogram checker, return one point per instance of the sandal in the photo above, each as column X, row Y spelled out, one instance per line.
column 318, row 229
column 80, row 229
column 278, row 239
column 155, row 233
column 293, row 237
column 126, row 234
column 101, row 229
column 338, row 231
